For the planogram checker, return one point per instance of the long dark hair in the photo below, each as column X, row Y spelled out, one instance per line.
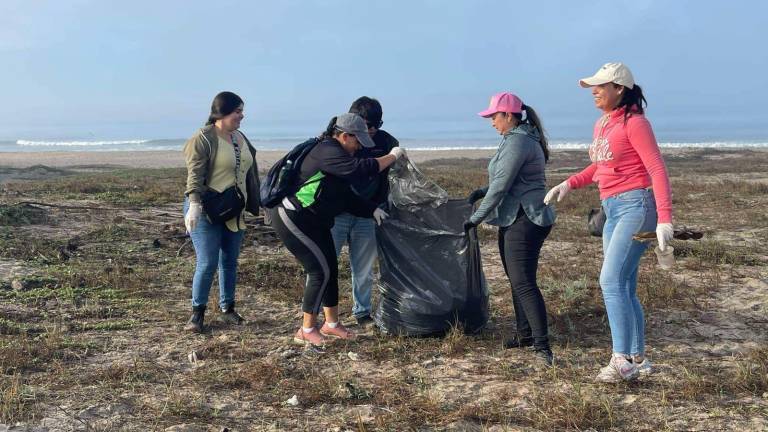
column 224, row 104
column 533, row 119
column 330, row 130
column 632, row 97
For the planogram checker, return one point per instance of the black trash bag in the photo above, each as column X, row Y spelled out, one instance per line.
column 431, row 273
column 409, row 187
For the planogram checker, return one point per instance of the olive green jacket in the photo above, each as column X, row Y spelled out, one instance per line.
column 199, row 154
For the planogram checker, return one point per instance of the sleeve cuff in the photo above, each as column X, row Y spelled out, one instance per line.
column 665, row 217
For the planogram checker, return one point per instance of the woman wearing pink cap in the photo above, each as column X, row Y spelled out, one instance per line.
column 514, row 201
column 626, row 162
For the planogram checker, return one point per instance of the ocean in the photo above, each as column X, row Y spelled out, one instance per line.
column 415, row 136
column 412, row 144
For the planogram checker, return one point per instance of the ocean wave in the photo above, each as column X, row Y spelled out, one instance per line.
column 77, row 143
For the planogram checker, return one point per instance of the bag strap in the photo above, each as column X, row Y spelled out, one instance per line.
column 237, row 157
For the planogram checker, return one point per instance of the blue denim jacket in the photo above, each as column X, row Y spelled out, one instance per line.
column 516, row 178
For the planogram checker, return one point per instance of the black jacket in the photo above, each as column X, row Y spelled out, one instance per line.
column 376, row 187
column 332, row 194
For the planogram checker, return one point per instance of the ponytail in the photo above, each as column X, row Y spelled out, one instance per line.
column 329, row 131
column 224, row 104
column 633, row 101
column 533, row 119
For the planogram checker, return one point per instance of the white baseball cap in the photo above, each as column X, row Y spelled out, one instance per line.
column 617, row 73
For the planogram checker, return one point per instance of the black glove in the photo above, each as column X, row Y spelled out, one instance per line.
column 476, row 195
column 468, row 225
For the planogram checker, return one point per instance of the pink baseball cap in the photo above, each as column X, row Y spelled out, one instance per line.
column 503, row 102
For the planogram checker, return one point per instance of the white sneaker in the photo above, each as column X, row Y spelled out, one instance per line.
column 617, row 370
column 645, row 367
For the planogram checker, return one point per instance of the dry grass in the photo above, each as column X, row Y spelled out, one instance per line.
column 99, row 326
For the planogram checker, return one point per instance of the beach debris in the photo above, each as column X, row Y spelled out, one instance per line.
column 680, row 233
column 194, row 357
column 434, row 361
column 353, row 356
column 156, row 243
column 293, row 401
column 356, row 392
column 17, row 284
column 63, row 254
column 289, row 353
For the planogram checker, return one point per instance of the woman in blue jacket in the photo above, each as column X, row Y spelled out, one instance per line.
column 514, row 201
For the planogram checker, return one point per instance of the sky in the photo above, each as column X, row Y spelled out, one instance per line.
column 149, row 69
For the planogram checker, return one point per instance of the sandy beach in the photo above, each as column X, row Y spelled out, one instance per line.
column 173, row 159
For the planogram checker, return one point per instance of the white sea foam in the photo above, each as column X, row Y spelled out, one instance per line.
column 281, row 144
column 78, row 143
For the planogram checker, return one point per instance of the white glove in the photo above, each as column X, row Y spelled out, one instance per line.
column 397, row 152
column 664, row 233
column 193, row 214
column 379, row 215
column 560, row 190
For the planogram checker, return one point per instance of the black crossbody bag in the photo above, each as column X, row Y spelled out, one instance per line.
column 223, row 206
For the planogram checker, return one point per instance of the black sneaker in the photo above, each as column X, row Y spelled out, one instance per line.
column 516, row 342
column 364, row 321
column 544, row 357
column 230, row 316
column 195, row 323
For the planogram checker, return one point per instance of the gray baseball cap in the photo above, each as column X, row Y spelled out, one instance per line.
column 355, row 125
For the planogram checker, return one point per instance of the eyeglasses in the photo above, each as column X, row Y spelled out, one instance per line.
column 376, row 125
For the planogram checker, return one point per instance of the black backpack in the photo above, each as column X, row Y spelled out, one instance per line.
column 282, row 180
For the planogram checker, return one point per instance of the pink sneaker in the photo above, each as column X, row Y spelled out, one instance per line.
column 314, row 338
column 340, row 332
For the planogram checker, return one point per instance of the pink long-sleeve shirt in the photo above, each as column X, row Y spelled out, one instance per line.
column 626, row 157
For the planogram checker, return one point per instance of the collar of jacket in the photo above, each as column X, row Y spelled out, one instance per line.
column 208, row 133
column 524, row 129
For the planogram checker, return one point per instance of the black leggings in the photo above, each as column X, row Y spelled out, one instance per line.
column 519, row 247
column 313, row 246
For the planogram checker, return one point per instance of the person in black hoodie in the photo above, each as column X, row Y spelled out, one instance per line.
column 303, row 221
column 360, row 233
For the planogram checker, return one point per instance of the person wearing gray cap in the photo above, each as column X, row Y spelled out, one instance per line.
column 359, row 234
column 303, row 221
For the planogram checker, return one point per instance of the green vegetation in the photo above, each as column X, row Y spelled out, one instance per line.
column 94, row 320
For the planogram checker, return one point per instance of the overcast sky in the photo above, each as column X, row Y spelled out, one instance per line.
column 149, row 69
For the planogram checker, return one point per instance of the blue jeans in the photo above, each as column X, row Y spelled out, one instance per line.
column 626, row 213
column 215, row 246
column 360, row 234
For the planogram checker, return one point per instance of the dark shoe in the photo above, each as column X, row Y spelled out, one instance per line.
column 229, row 316
column 544, row 357
column 195, row 323
column 516, row 342
column 364, row 321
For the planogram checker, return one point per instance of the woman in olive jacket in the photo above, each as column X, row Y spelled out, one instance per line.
column 218, row 156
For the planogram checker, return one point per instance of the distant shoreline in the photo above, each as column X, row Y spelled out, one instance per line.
column 265, row 158
column 175, row 159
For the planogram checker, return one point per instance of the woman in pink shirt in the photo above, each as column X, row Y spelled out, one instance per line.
column 634, row 189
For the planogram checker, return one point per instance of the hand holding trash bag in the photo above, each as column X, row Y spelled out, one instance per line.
column 397, row 152
column 379, row 215
column 477, row 194
column 468, row 225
